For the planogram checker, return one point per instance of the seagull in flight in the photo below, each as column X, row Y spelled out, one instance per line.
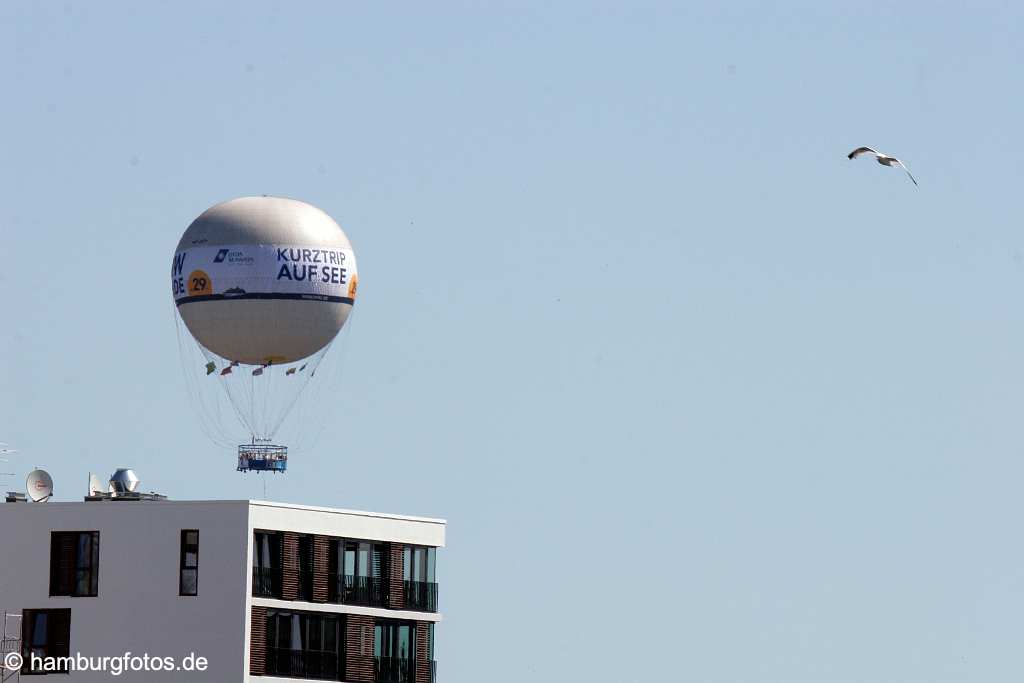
column 883, row 159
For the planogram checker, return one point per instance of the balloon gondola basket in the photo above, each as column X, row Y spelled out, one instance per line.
column 260, row 457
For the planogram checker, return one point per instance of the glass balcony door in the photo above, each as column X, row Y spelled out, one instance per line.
column 266, row 564
column 394, row 651
column 304, row 645
column 418, row 575
column 361, row 576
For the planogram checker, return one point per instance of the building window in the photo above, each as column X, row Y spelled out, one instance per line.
column 188, row 582
column 74, row 563
column 45, row 633
column 359, row 571
column 418, row 577
column 266, row 564
column 305, row 645
column 394, row 652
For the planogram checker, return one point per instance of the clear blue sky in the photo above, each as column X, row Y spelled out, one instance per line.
column 701, row 399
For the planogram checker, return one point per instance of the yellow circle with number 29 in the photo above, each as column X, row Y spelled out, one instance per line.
column 199, row 283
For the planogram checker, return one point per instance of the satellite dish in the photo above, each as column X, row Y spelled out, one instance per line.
column 39, row 486
column 95, row 485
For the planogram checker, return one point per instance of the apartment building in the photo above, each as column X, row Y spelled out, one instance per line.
column 260, row 591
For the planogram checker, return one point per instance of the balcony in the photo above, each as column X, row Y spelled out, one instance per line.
column 394, row 670
column 421, row 595
column 303, row 664
column 399, row 670
column 266, row 582
column 370, row 591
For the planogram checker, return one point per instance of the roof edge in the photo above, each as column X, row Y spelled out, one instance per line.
column 341, row 511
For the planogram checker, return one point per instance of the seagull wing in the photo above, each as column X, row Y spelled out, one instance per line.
column 904, row 167
column 860, row 150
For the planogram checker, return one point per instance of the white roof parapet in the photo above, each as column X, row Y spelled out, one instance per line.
column 342, row 511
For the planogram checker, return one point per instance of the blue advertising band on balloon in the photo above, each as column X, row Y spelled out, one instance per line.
column 262, row 295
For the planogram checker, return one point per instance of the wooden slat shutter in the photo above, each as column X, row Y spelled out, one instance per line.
column 396, row 594
column 290, row 566
column 258, row 641
column 359, row 648
column 321, row 568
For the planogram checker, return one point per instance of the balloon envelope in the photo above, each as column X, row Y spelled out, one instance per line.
column 264, row 280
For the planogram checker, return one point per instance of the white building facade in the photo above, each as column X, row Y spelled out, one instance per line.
column 147, row 590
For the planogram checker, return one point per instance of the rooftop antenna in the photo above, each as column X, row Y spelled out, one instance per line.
column 39, row 486
column 4, row 450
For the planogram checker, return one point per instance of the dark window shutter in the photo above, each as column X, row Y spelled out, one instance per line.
column 66, row 570
column 62, row 563
column 95, row 575
column 60, row 633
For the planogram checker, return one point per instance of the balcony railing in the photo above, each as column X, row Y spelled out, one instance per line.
column 371, row 591
column 266, row 582
column 394, row 670
column 303, row 664
column 421, row 595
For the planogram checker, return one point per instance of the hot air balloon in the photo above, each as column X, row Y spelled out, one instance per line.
column 263, row 286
